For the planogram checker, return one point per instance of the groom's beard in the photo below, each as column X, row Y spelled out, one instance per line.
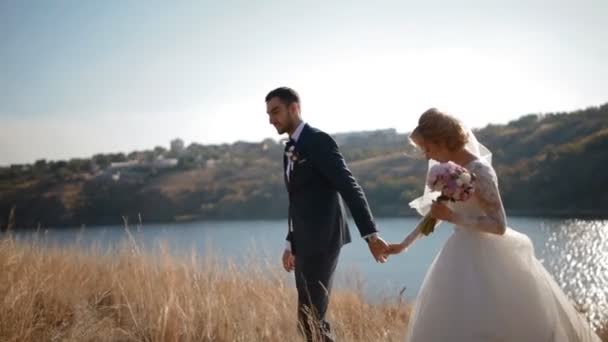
column 294, row 122
column 289, row 127
column 280, row 130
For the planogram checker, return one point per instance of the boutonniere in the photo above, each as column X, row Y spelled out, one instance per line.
column 292, row 154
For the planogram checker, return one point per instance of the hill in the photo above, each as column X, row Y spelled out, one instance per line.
column 548, row 165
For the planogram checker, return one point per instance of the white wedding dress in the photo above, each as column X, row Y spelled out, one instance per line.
column 488, row 287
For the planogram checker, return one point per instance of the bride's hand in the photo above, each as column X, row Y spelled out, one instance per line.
column 441, row 212
column 395, row 248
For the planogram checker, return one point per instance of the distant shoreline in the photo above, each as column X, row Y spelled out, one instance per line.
column 510, row 213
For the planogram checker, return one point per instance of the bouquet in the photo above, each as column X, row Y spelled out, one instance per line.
column 455, row 184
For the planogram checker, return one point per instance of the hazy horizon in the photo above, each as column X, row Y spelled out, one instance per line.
column 275, row 138
column 80, row 78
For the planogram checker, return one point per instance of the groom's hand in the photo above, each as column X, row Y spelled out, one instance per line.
column 289, row 261
column 379, row 248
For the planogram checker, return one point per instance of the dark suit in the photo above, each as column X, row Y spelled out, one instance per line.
column 317, row 184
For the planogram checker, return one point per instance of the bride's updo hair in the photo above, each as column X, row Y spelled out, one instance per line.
column 440, row 128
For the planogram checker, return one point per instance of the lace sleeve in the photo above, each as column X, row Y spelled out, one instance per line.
column 488, row 196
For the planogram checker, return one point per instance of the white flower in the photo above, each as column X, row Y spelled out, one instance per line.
column 464, row 178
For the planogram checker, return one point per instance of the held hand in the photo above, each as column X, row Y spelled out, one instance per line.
column 378, row 248
column 396, row 248
column 441, row 212
column 289, row 261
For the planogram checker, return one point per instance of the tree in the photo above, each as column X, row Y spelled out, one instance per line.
column 160, row 151
column 40, row 164
column 102, row 160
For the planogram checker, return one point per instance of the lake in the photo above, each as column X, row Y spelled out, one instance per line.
column 574, row 251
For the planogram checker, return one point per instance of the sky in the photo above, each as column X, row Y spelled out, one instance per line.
column 84, row 77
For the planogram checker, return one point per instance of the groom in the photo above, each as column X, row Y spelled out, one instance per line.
column 317, row 179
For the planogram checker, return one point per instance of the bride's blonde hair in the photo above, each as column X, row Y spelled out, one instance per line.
column 440, row 128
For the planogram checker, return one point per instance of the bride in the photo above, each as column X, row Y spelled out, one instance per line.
column 486, row 283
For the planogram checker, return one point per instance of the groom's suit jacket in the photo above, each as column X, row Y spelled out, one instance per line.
column 317, row 183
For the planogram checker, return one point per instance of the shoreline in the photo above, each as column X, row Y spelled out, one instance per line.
column 587, row 216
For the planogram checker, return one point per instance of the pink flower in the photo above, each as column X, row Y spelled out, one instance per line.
column 454, row 181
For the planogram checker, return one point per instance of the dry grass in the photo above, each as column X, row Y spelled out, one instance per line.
column 77, row 294
column 86, row 294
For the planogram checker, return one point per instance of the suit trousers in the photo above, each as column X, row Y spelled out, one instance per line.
column 314, row 277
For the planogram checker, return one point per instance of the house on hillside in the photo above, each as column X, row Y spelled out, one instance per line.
column 158, row 163
column 125, row 165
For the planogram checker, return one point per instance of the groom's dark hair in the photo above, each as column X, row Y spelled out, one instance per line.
column 285, row 94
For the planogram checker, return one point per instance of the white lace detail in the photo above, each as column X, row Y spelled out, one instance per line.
column 488, row 198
